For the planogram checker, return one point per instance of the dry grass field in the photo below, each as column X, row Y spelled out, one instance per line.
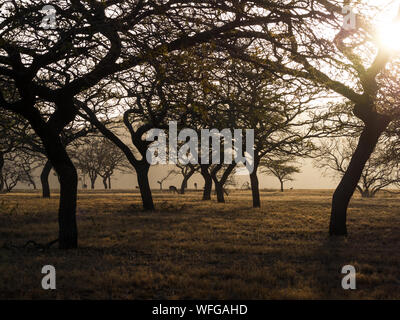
column 190, row 249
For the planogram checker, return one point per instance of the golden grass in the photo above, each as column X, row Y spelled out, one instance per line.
column 190, row 249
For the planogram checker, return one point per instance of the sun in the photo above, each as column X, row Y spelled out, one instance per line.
column 389, row 35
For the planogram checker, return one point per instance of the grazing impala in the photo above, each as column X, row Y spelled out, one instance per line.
column 173, row 189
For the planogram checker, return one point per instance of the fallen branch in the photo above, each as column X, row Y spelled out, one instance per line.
column 32, row 243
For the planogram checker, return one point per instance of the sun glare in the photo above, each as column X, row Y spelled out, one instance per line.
column 389, row 35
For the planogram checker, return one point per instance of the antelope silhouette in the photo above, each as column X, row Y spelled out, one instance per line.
column 173, row 189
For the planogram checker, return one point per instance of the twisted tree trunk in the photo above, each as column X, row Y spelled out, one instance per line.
column 68, row 178
column 219, row 189
column 49, row 133
column 219, row 184
column 142, row 172
column 186, row 179
column 105, row 182
column 207, row 182
column 255, row 190
column 343, row 193
column 68, row 234
column 44, row 179
column 93, row 182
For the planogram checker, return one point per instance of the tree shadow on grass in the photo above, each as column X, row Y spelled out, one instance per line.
column 374, row 268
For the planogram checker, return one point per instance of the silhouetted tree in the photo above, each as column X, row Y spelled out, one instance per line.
column 17, row 168
column 97, row 156
column 222, row 178
column 279, row 111
column 281, row 168
column 187, row 171
column 347, row 63
column 161, row 181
